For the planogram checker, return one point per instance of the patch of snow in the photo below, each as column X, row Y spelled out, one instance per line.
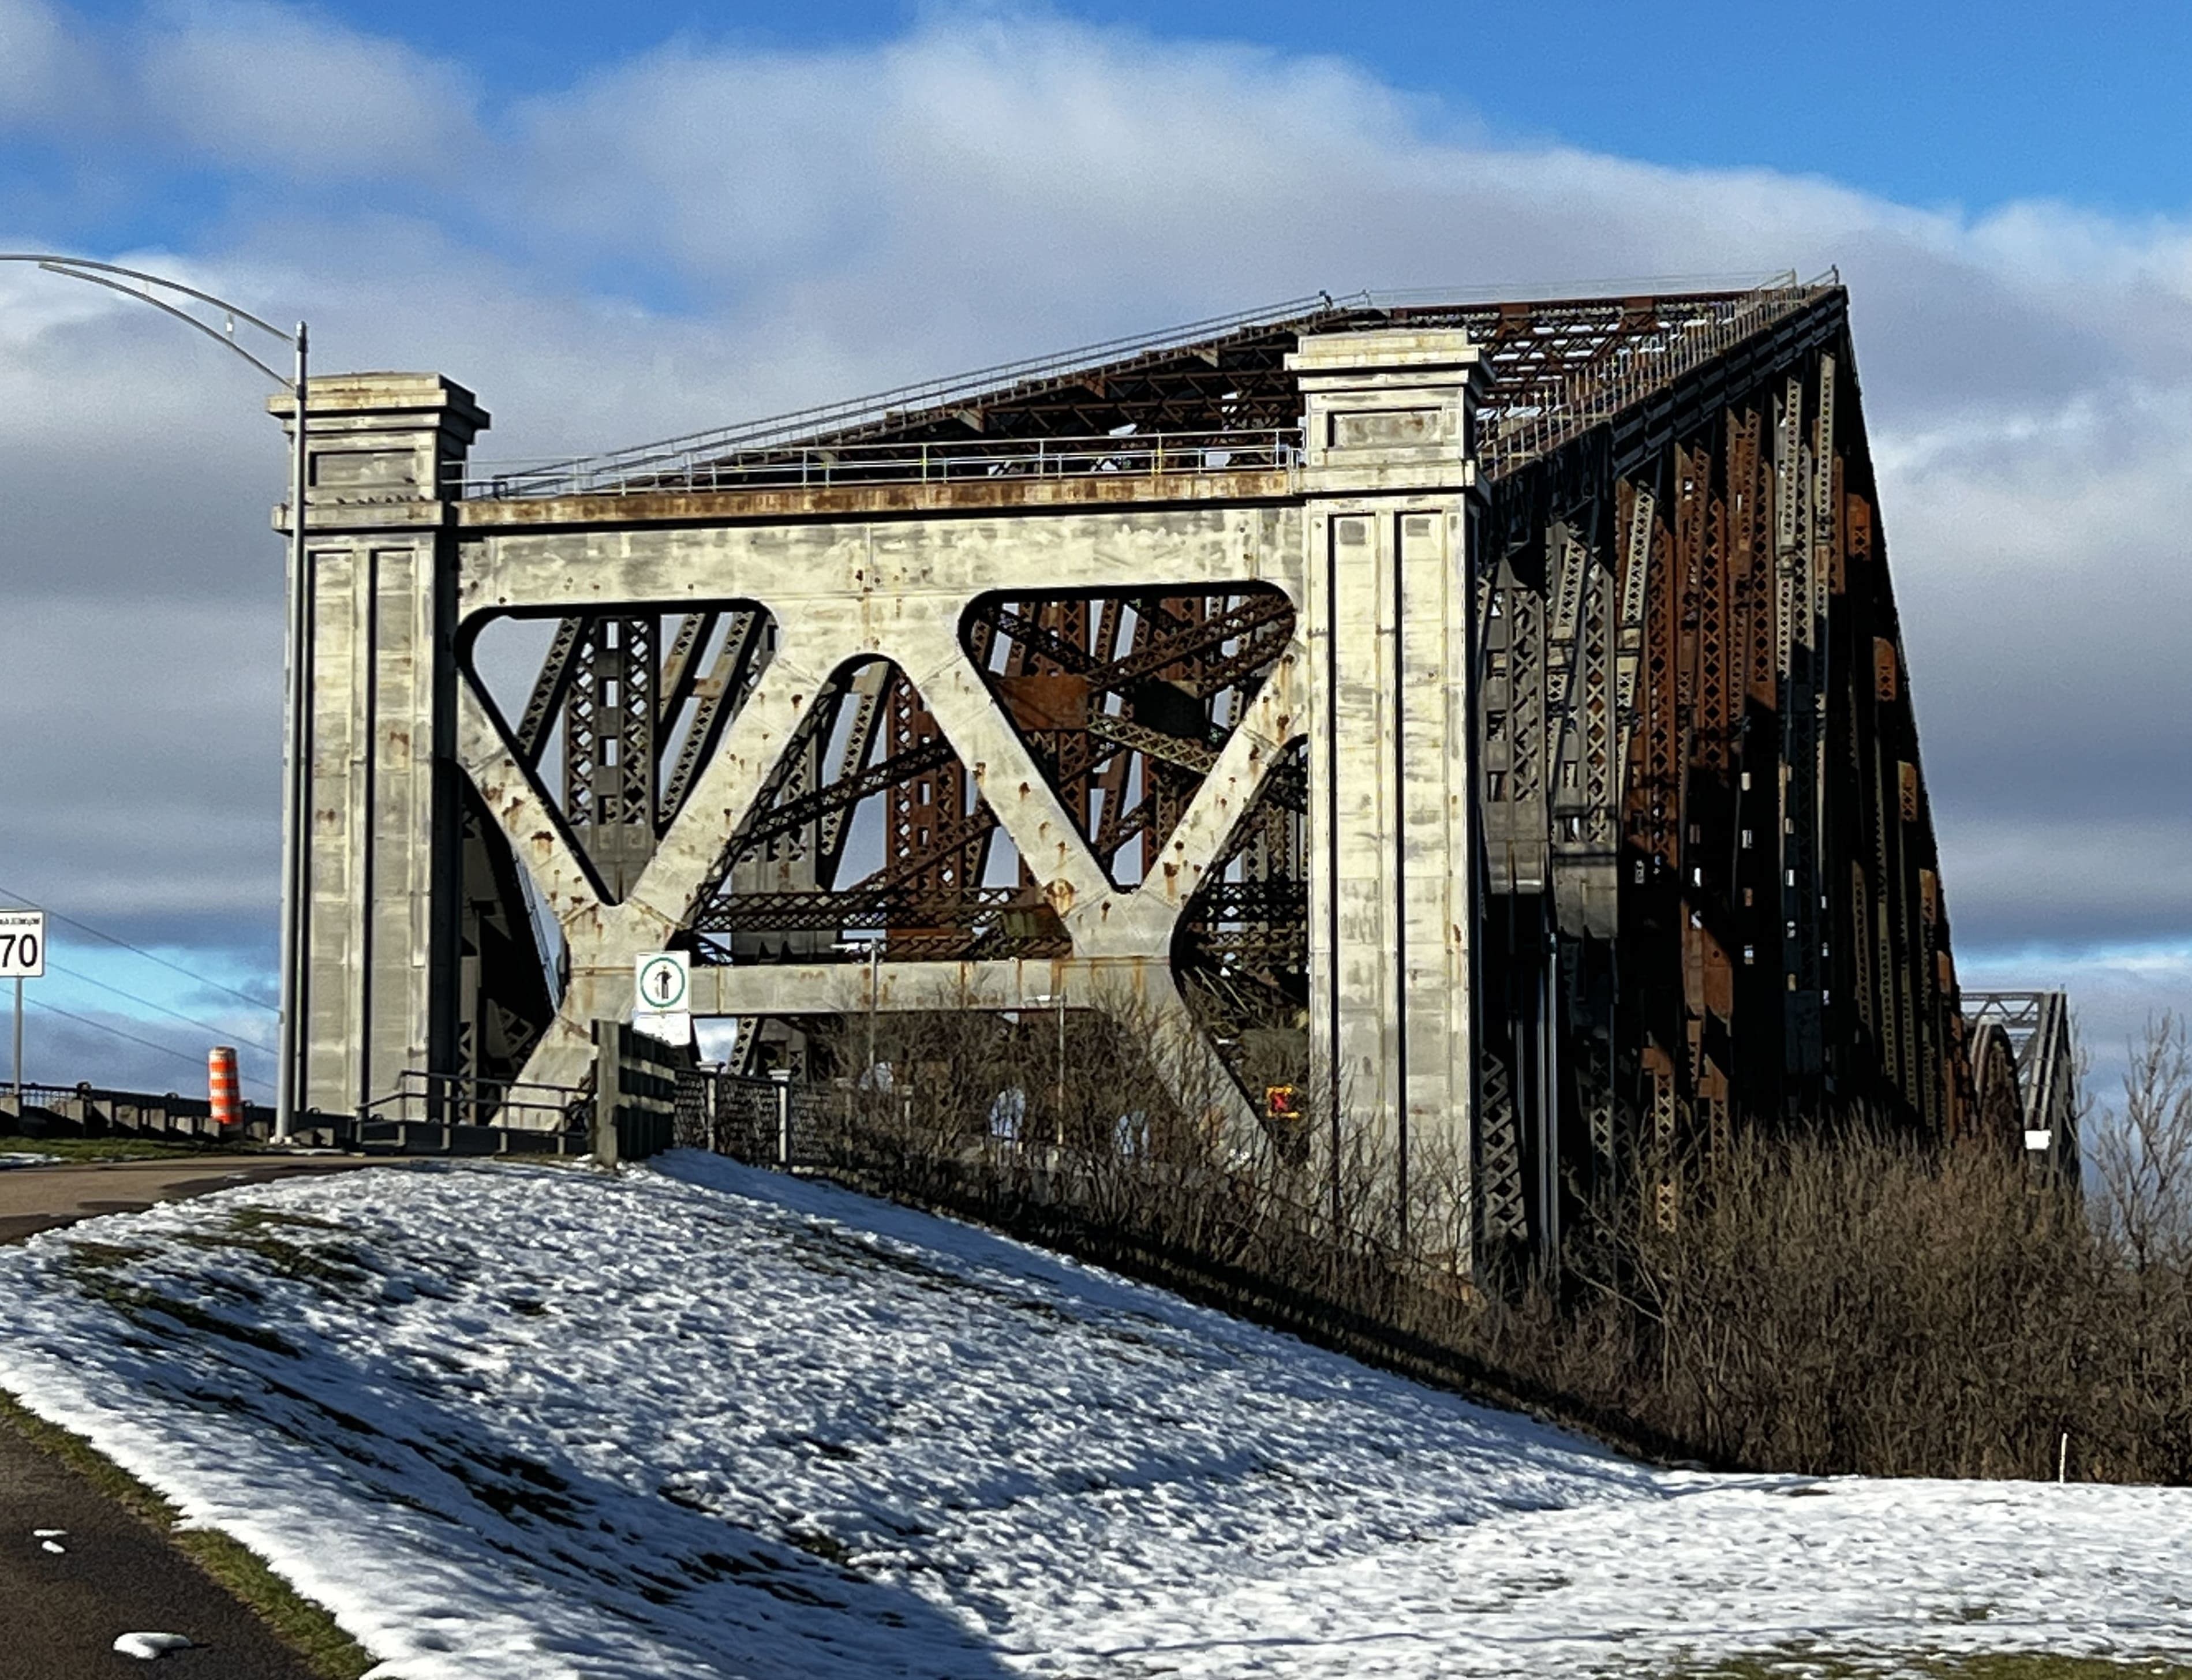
column 534, row 1422
column 49, row 1533
column 152, row 1645
column 53, row 1546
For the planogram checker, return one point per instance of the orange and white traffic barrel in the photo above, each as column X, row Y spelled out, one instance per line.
column 221, row 1084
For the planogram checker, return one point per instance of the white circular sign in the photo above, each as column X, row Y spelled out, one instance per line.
column 663, row 981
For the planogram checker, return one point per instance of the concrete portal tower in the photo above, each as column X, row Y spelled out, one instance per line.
column 1391, row 509
column 383, row 860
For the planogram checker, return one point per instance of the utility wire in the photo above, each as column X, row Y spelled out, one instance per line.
column 146, row 1002
column 102, row 1026
column 86, row 928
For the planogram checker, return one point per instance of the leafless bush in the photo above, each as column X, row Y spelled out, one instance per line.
column 1856, row 1302
column 1833, row 1302
column 2141, row 1160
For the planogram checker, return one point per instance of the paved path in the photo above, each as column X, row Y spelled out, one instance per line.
column 60, row 1613
column 38, row 1198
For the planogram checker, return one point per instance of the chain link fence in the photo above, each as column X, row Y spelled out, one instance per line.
column 766, row 1123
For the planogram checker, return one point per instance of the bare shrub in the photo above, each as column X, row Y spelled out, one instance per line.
column 1856, row 1302
column 2142, row 1162
column 1839, row 1301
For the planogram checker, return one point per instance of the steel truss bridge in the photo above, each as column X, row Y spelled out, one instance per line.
column 1493, row 714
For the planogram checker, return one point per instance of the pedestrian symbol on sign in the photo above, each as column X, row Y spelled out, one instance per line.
column 665, row 982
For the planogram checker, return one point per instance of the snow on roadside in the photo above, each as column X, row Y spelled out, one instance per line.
column 703, row 1420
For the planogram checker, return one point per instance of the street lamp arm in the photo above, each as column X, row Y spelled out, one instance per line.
column 185, row 317
column 76, row 265
column 295, row 742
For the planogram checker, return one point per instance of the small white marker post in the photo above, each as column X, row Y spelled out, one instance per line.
column 782, row 1077
column 22, row 956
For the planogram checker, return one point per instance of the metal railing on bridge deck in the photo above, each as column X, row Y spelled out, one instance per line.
column 958, row 461
column 1642, row 364
column 453, row 1114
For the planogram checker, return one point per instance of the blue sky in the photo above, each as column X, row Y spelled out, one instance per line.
column 1967, row 105
column 1963, row 106
column 618, row 223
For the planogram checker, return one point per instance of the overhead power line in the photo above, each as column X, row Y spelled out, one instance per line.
column 221, row 1033
column 102, row 1026
column 100, row 933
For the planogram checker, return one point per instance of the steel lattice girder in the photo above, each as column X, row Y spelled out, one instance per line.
column 1777, row 924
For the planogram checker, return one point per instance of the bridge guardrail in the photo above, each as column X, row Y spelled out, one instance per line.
column 453, row 1114
column 88, row 1111
column 957, row 461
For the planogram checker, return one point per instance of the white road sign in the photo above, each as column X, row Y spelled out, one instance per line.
column 662, row 982
column 22, row 943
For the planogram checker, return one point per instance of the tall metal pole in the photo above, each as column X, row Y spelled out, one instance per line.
column 19, row 1047
column 173, row 298
column 296, row 776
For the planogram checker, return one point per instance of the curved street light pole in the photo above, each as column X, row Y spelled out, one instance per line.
column 172, row 297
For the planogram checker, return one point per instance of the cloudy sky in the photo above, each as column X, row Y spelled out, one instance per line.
column 618, row 223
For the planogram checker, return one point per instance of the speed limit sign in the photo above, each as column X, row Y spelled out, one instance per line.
column 22, row 943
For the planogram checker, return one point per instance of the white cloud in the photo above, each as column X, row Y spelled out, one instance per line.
column 44, row 68
column 273, row 88
column 141, row 759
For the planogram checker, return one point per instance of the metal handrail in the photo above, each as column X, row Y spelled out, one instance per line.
column 175, row 1101
column 642, row 459
column 811, row 466
column 1640, row 368
column 771, row 454
column 450, row 1099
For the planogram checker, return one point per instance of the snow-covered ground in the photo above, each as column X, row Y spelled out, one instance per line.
column 700, row 1420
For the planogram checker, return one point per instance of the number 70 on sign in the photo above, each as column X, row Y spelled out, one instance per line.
column 22, row 943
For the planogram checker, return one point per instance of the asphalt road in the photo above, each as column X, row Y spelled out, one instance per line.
column 61, row 1612
column 38, row 1198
